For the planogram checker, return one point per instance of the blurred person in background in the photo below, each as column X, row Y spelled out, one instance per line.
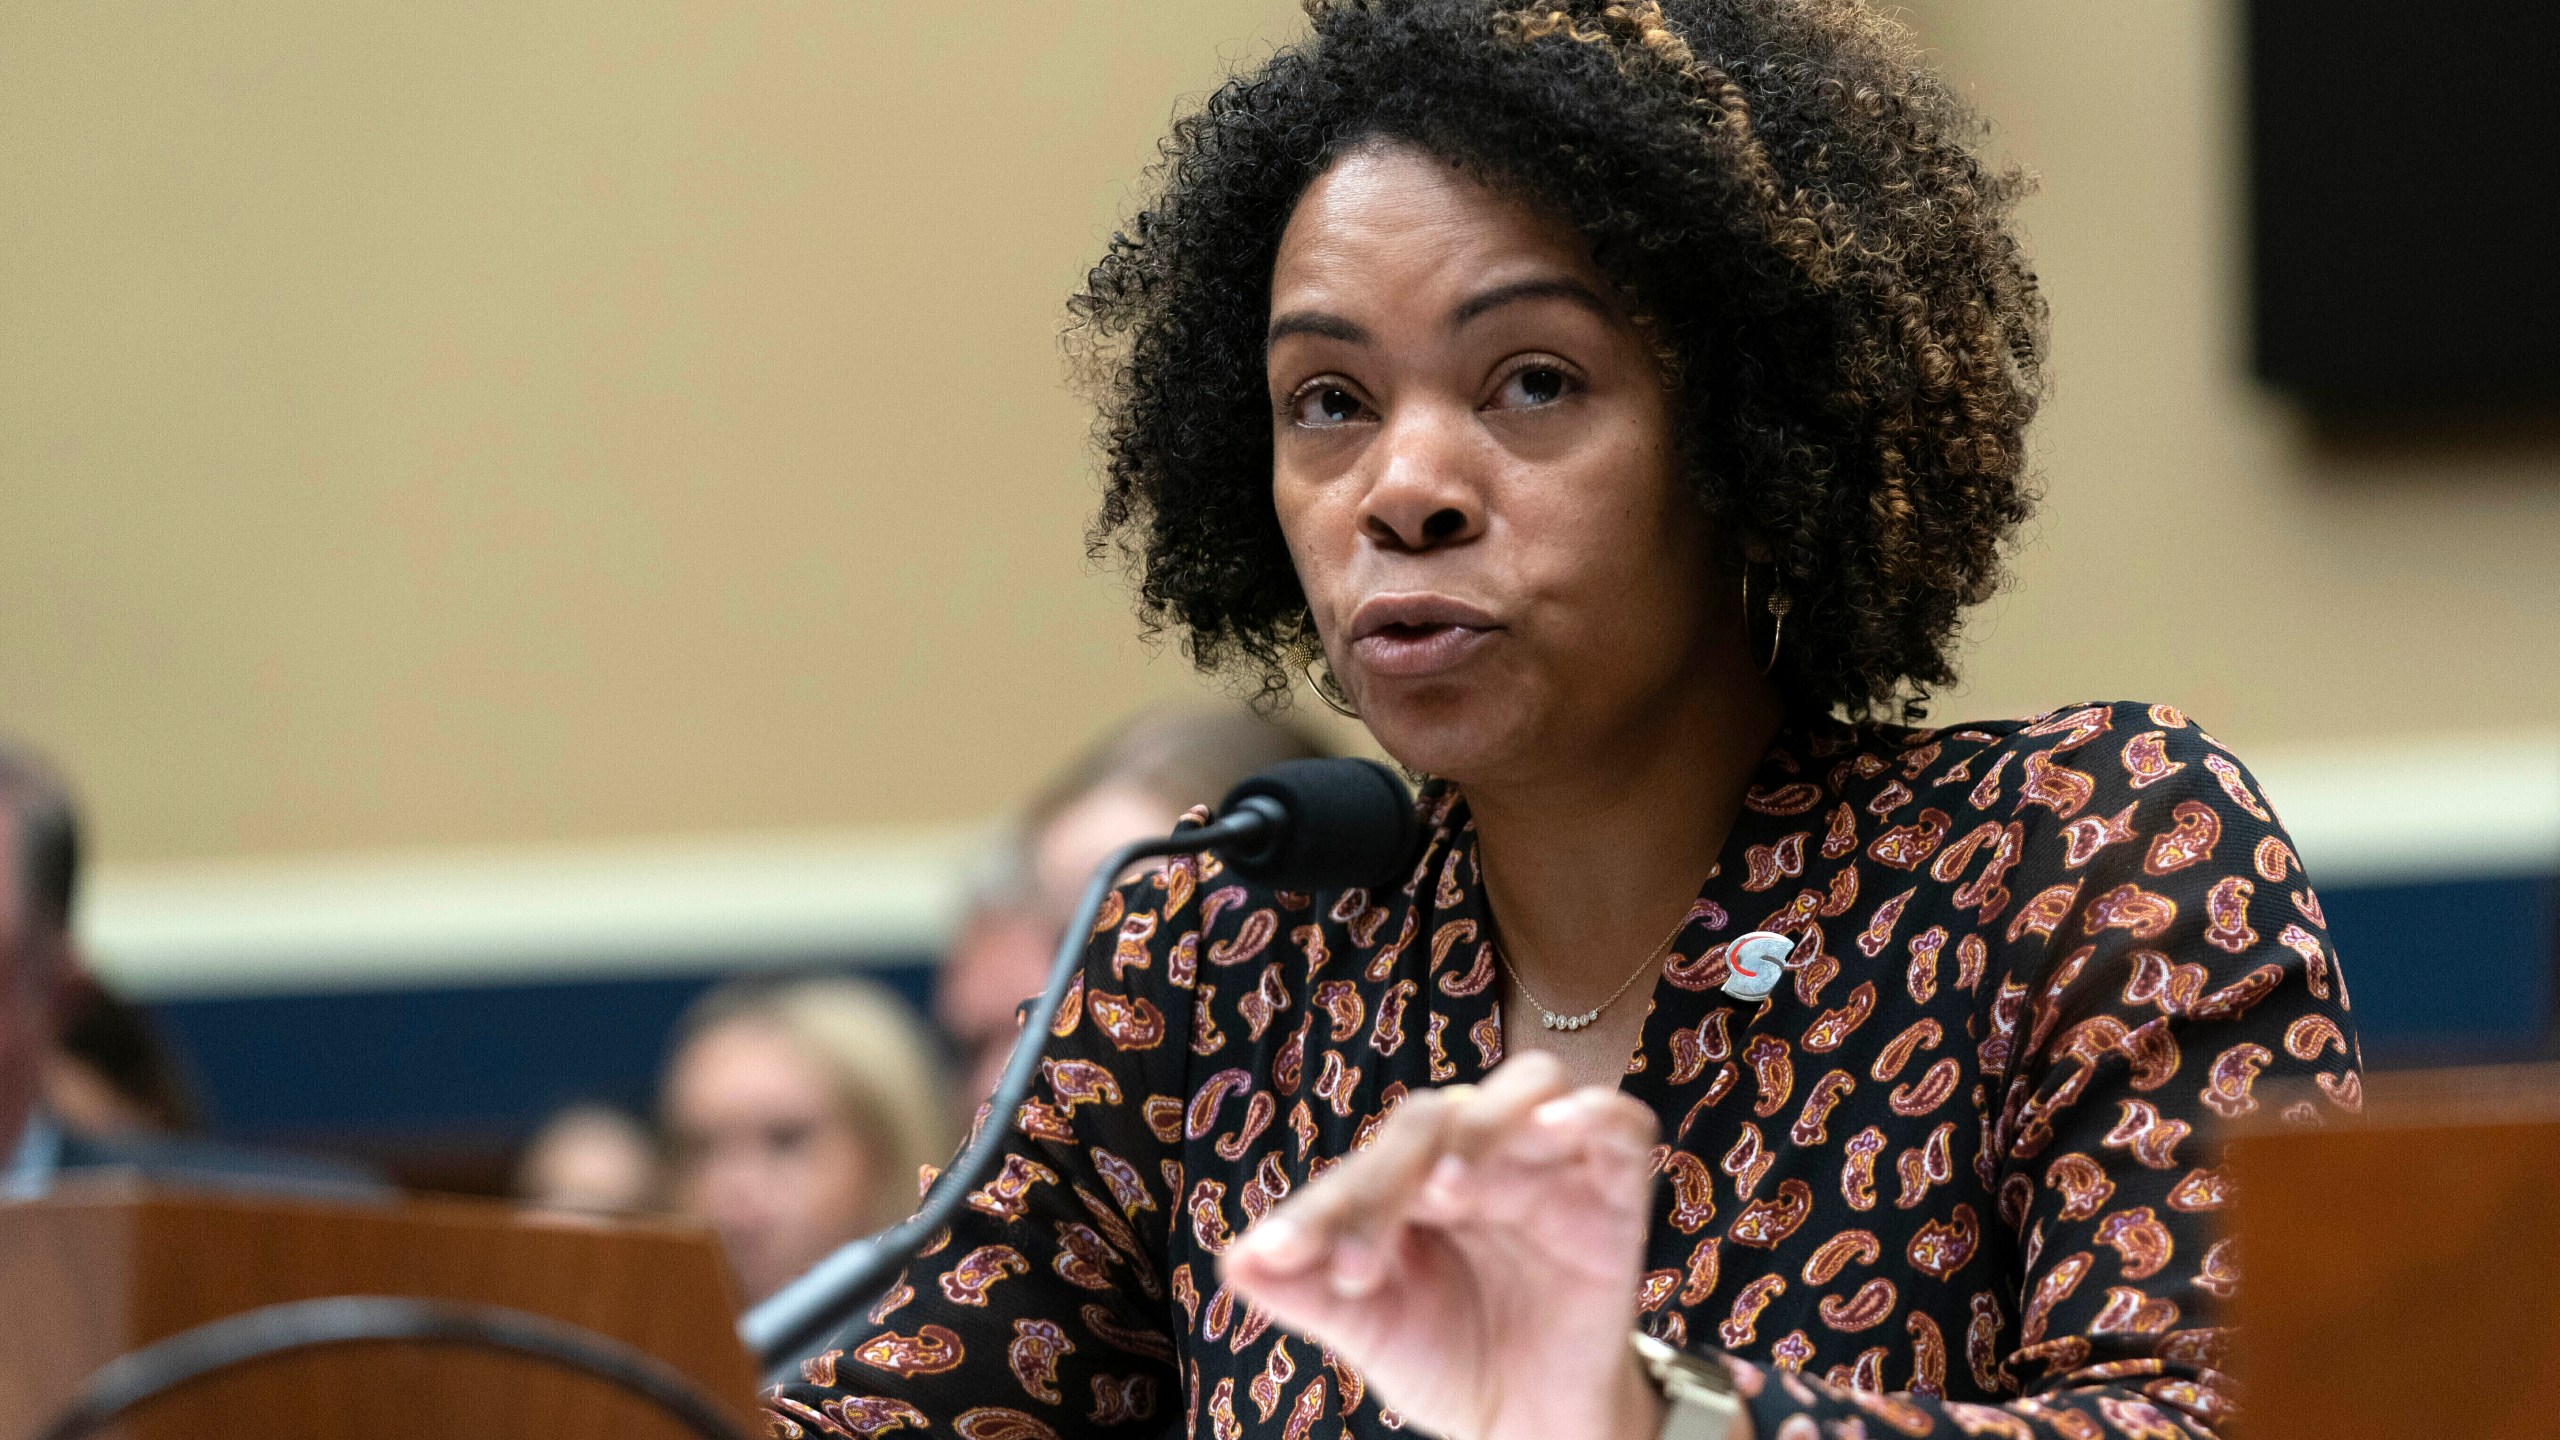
column 39, row 858
column 591, row 1159
column 39, row 965
column 1133, row 783
column 109, row 1072
column 798, row 1115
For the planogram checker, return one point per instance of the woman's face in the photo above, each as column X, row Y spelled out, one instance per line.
column 765, row 1153
column 1472, row 463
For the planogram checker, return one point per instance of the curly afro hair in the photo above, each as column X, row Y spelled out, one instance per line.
column 1782, row 193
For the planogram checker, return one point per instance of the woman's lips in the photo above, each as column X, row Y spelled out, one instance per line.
column 1414, row 635
column 1414, row 651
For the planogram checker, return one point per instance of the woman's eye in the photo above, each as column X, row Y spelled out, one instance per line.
column 1535, row 385
column 1326, row 405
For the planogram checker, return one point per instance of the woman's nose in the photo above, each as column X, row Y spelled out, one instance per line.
column 1425, row 495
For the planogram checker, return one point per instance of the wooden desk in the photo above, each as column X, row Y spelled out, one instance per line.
column 94, row 1273
column 2401, row 1277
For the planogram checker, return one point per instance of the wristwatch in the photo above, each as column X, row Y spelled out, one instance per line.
column 1699, row 1393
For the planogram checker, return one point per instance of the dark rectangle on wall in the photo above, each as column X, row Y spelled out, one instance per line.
column 2404, row 185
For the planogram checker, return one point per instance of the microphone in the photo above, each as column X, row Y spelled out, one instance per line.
column 1300, row 825
column 1333, row 824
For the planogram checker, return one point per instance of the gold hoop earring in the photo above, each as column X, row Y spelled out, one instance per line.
column 1778, row 604
column 1328, row 689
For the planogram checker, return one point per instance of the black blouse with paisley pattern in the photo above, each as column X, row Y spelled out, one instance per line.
column 1952, row 1179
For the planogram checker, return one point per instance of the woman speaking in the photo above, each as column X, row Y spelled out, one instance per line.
column 1615, row 406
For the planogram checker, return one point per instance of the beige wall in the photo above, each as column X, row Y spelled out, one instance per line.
column 509, row 424
column 443, row 423
column 2196, row 544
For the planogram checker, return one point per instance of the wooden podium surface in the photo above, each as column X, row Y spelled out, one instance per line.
column 94, row 1273
column 2401, row 1276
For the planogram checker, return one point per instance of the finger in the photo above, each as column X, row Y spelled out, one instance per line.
column 1517, row 1174
column 1375, row 1191
column 1493, row 1121
column 1346, row 1218
column 1504, row 1100
column 1600, row 1119
column 1426, row 1275
column 1631, row 1120
column 1449, row 1195
column 1594, row 1126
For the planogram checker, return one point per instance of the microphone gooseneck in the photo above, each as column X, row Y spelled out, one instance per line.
column 1300, row 825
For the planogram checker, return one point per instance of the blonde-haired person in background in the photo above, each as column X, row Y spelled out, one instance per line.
column 797, row 1114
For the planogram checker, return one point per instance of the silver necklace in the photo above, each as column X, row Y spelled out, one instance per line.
column 1554, row 1021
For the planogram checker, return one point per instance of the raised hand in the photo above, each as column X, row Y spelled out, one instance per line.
column 1478, row 1263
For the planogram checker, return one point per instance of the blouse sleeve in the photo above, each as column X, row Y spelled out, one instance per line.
column 2164, row 955
column 1042, row 1310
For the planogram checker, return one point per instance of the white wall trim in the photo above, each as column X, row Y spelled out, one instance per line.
column 369, row 922
column 2418, row 809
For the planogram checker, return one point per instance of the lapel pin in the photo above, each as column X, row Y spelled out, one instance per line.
column 1758, row 962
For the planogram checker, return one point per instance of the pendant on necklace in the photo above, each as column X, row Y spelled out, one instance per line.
column 1554, row 1021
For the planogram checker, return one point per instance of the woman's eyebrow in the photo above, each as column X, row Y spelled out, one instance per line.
column 1313, row 322
column 1334, row 327
column 1557, row 288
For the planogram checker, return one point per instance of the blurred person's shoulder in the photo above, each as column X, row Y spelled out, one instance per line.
column 192, row 1163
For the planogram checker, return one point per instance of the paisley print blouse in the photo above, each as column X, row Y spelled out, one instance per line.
column 1956, row 1178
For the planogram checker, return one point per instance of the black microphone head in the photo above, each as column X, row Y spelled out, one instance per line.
column 1349, row 822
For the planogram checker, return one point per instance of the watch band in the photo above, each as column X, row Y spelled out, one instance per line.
column 1698, row 1393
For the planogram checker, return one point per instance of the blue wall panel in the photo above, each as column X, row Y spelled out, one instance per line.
column 2449, row 970
column 476, row 1063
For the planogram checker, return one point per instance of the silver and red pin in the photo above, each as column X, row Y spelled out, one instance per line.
column 1758, row 961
